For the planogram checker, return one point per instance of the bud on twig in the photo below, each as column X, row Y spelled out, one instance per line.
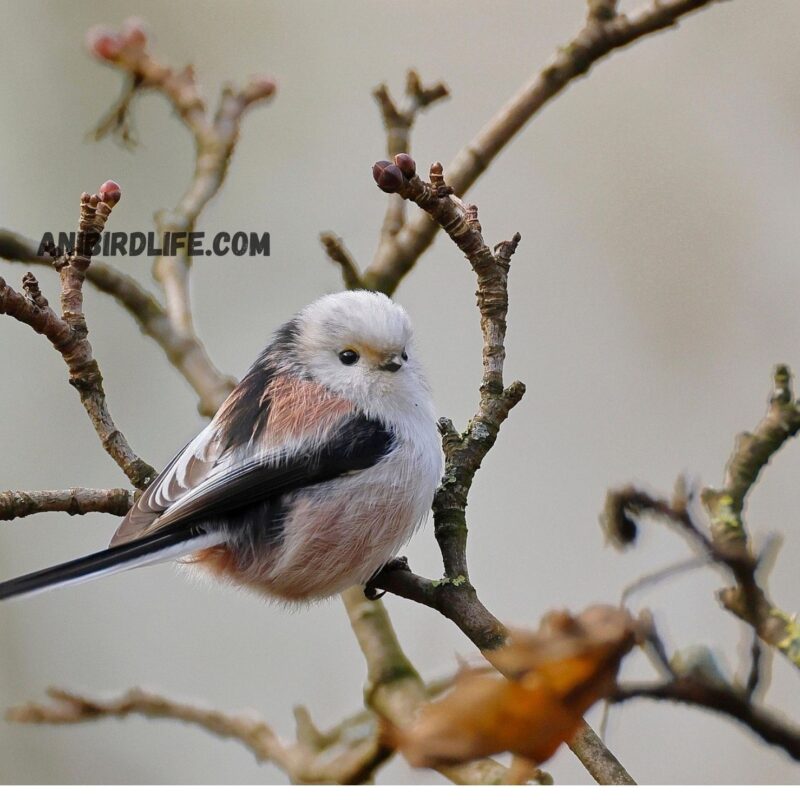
column 406, row 164
column 110, row 45
column 388, row 176
column 103, row 43
column 110, row 193
column 133, row 33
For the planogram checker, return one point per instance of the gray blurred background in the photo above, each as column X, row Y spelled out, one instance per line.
column 655, row 287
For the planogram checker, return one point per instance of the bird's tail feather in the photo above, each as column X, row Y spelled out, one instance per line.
column 149, row 550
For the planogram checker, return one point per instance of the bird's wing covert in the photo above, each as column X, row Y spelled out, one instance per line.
column 302, row 435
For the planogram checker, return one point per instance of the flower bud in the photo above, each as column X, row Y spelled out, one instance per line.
column 133, row 33
column 406, row 164
column 110, row 193
column 103, row 43
column 388, row 176
column 378, row 168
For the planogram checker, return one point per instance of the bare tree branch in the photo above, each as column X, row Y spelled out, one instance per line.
column 775, row 627
column 302, row 762
column 339, row 254
column 600, row 36
column 601, row 10
column 214, row 142
column 214, row 138
column 398, row 121
column 751, row 454
column 725, row 700
column 394, row 688
column 184, row 351
column 16, row 504
column 69, row 333
column 728, row 544
column 454, row 595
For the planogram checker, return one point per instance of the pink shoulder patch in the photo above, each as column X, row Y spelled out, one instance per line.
column 299, row 408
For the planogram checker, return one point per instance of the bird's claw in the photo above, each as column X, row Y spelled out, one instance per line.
column 371, row 591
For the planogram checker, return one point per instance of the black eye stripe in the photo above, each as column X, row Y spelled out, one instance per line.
column 404, row 355
column 348, row 357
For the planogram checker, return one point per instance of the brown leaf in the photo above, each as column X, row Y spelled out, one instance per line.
column 556, row 674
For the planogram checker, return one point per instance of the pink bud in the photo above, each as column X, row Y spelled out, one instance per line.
column 103, row 43
column 110, row 193
column 134, row 33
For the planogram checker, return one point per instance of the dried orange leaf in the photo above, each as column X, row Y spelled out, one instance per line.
column 556, row 674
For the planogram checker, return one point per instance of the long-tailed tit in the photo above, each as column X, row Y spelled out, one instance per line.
column 314, row 472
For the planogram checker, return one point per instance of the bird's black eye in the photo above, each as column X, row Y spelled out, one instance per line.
column 404, row 355
column 348, row 357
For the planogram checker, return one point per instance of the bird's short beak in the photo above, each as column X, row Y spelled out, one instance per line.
column 392, row 364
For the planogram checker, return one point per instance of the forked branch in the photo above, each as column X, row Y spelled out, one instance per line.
column 603, row 32
column 454, row 596
column 69, row 334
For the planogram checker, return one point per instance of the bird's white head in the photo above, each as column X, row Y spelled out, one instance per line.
column 360, row 344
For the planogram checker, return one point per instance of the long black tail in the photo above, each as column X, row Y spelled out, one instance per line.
column 149, row 550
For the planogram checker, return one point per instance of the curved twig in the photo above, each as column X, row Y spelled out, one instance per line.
column 601, row 35
column 303, row 762
column 68, row 333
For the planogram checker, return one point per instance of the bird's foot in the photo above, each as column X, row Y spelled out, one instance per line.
column 371, row 591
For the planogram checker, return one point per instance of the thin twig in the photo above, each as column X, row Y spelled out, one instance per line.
column 751, row 454
column 725, row 700
column 301, row 762
column 727, row 545
column 339, row 254
column 756, row 661
column 68, row 333
column 184, row 351
column 398, row 121
column 215, row 138
column 598, row 38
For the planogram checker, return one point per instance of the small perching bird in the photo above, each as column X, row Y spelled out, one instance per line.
column 312, row 475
